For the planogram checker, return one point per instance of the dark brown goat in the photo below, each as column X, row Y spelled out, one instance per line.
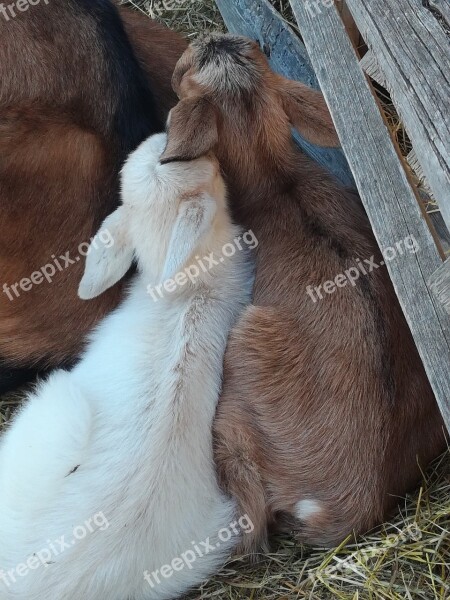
column 326, row 415
column 75, row 98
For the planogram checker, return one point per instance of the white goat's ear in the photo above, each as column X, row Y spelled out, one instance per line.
column 194, row 219
column 109, row 257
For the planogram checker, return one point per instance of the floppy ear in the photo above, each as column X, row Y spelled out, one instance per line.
column 192, row 130
column 194, row 219
column 107, row 262
column 308, row 113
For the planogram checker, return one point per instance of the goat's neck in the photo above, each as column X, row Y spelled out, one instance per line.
column 262, row 176
column 193, row 328
column 250, row 158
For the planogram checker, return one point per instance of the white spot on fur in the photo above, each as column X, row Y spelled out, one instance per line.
column 304, row 509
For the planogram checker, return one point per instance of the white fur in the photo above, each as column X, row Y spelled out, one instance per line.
column 305, row 509
column 127, row 432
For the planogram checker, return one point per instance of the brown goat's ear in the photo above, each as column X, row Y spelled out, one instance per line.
column 192, row 130
column 308, row 113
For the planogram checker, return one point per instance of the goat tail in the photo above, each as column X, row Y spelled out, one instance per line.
column 240, row 478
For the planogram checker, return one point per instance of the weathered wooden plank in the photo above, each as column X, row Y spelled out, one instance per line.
column 441, row 230
column 443, row 8
column 441, row 233
column 257, row 19
column 384, row 187
column 370, row 66
column 440, row 285
column 413, row 52
column 415, row 165
column 349, row 22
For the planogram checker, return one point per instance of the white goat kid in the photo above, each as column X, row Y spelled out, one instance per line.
column 127, row 433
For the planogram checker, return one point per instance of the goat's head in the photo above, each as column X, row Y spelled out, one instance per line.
column 165, row 217
column 231, row 101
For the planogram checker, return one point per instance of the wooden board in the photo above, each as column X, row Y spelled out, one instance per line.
column 443, row 8
column 349, row 22
column 440, row 228
column 413, row 53
column 257, row 19
column 384, row 187
column 370, row 66
column 440, row 285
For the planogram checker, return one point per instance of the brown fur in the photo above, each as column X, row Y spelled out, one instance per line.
column 60, row 157
column 158, row 50
column 324, row 401
column 200, row 136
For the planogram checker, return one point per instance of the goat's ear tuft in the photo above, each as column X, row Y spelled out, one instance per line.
column 109, row 257
column 307, row 111
column 194, row 220
column 192, row 130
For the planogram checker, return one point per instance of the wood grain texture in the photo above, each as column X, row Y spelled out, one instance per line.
column 440, row 285
column 384, row 187
column 257, row 19
column 443, row 8
column 440, row 228
column 370, row 66
column 415, row 165
column 349, row 22
column 413, row 53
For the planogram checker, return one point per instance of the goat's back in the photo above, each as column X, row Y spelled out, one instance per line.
column 76, row 96
column 326, row 415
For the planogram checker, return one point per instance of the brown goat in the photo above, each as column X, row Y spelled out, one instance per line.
column 326, row 416
column 75, row 98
